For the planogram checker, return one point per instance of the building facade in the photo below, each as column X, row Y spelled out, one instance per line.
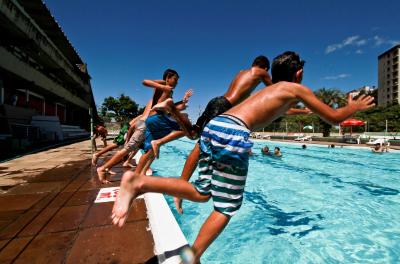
column 364, row 90
column 42, row 77
column 388, row 77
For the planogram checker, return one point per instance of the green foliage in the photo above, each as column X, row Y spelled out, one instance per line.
column 334, row 98
column 122, row 108
column 377, row 116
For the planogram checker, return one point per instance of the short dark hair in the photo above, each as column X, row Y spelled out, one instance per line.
column 277, row 148
column 285, row 66
column 168, row 73
column 261, row 62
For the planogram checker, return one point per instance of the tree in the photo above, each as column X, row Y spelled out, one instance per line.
column 122, row 108
column 334, row 98
column 377, row 116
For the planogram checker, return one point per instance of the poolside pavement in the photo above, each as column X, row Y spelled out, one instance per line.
column 48, row 214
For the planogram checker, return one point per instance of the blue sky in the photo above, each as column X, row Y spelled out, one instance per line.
column 208, row 42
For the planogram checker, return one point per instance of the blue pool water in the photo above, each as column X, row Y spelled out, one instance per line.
column 318, row 205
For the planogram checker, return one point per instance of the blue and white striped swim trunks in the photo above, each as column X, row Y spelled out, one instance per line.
column 224, row 161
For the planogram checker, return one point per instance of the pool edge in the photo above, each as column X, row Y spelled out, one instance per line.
column 167, row 234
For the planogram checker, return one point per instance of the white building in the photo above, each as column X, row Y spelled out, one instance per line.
column 364, row 89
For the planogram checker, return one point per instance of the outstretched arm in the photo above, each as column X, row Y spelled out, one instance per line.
column 296, row 111
column 185, row 99
column 328, row 114
column 157, row 84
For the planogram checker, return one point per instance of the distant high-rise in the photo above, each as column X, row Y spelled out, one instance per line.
column 388, row 77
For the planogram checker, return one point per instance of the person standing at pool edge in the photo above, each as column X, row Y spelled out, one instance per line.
column 224, row 147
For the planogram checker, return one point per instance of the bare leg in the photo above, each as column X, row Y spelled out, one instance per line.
column 127, row 163
column 101, row 152
column 104, row 142
column 101, row 171
column 209, row 231
column 133, row 184
column 182, row 120
column 164, row 105
column 145, row 162
column 156, row 144
column 187, row 172
column 94, row 143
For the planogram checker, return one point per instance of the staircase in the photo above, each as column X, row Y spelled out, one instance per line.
column 73, row 132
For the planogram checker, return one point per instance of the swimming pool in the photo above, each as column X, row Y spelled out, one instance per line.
column 318, row 205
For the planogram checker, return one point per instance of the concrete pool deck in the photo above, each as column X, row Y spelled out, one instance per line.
column 48, row 214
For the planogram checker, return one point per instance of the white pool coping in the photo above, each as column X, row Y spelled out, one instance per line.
column 167, row 235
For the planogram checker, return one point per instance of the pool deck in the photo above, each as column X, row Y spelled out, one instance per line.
column 48, row 214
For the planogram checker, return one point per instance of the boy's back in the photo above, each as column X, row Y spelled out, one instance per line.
column 244, row 83
column 266, row 105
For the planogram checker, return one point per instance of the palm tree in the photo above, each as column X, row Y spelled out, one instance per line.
column 332, row 97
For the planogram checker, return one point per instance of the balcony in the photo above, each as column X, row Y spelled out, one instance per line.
column 23, row 35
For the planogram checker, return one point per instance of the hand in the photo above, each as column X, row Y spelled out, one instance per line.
column 187, row 95
column 363, row 102
column 308, row 111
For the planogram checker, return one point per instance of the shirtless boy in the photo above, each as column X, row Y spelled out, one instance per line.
column 162, row 90
column 119, row 140
column 240, row 88
column 224, row 148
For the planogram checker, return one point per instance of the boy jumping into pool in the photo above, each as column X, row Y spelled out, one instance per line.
column 119, row 140
column 162, row 90
column 224, row 148
column 240, row 88
column 161, row 126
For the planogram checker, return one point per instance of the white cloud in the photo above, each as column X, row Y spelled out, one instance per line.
column 382, row 41
column 378, row 40
column 361, row 42
column 356, row 41
column 349, row 41
column 336, row 77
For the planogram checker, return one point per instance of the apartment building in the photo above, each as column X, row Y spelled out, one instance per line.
column 388, row 77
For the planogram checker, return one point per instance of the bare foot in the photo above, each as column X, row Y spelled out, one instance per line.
column 94, row 159
column 178, row 204
column 163, row 106
column 127, row 192
column 127, row 165
column 102, row 175
column 155, row 147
